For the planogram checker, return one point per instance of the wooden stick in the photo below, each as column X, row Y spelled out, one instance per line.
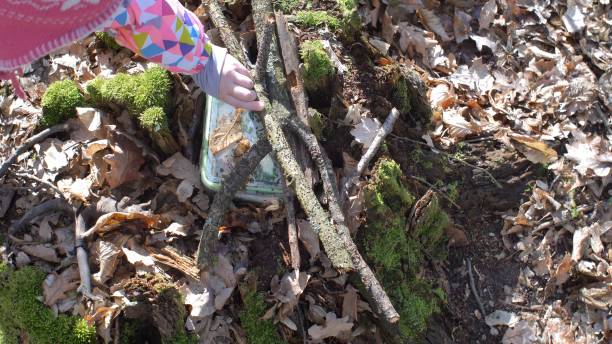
column 381, row 303
column 82, row 259
column 232, row 183
column 473, row 287
column 30, row 143
column 274, row 111
column 292, row 235
column 52, row 205
column 386, row 129
column 44, row 182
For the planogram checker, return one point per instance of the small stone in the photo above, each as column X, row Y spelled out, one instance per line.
column 494, row 331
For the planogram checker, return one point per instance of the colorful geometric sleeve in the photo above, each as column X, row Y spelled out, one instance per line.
column 165, row 32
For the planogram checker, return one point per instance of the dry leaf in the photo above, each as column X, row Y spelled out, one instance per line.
column 200, row 299
column 592, row 153
column 534, row 150
column 44, row 252
column 501, row 317
column 125, row 161
column 111, row 221
column 487, row 14
column 562, row 273
column 333, row 327
column 579, row 243
column 56, row 286
column 309, row 238
column 522, row 333
column 432, row 21
column 365, row 131
column 228, row 131
column 109, row 254
column 349, row 303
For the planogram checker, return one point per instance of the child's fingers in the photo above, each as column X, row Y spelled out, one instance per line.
column 242, row 69
column 243, row 80
column 247, row 105
column 243, row 94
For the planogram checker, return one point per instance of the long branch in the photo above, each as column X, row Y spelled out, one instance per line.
column 232, row 183
column 381, row 302
column 295, row 177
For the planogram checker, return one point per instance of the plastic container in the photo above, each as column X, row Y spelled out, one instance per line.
column 265, row 183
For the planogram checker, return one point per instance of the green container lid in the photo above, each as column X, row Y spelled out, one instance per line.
column 265, row 183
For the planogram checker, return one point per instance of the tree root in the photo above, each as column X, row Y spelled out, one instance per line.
column 29, row 144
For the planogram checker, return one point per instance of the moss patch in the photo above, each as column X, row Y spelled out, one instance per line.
column 158, row 313
column 258, row 331
column 137, row 92
column 397, row 256
column 25, row 319
column 107, row 41
column 317, row 18
column 318, row 68
column 60, row 102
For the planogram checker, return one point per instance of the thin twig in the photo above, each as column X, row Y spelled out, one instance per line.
column 431, row 186
column 82, row 259
column 227, row 34
column 264, row 51
column 44, row 182
column 30, row 143
column 291, row 227
column 377, row 295
column 473, row 287
column 450, row 156
column 53, row 205
column 386, row 129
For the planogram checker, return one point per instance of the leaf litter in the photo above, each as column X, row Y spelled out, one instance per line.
column 533, row 76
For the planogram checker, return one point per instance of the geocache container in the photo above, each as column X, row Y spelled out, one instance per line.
column 265, row 183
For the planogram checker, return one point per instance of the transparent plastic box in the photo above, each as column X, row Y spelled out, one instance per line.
column 265, row 183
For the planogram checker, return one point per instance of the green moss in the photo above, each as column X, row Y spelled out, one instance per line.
column 397, row 256
column 59, row 102
column 317, row 18
column 400, row 96
column 154, row 119
column 351, row 22
column 316, row 121
column 288, row 6
column 318, row 68
column 22, row 315
column 136, row 92
column 152, row 89
column 258, row 331
column 107, row 41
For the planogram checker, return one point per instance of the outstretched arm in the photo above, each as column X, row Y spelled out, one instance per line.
column 165, row 32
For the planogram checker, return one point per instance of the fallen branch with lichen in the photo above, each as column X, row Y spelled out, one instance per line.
column 277, row 115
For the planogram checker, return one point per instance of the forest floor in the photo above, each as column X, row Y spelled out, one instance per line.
column 513, row 138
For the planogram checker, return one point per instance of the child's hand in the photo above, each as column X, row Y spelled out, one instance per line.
column 227, row 79
column 236, row 86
